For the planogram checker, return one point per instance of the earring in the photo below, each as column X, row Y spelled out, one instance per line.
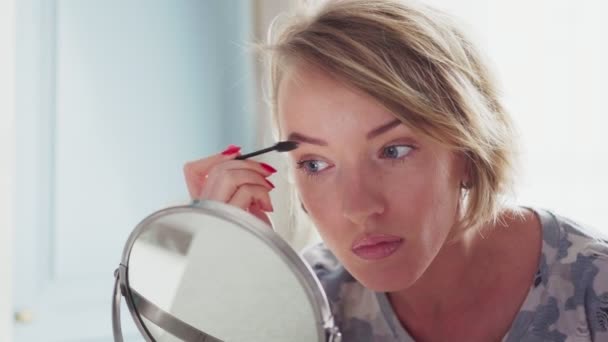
column 466, row 185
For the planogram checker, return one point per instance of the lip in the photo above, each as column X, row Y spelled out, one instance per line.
column 376, row 246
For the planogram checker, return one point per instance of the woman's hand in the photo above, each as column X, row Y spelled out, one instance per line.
column 241, row 183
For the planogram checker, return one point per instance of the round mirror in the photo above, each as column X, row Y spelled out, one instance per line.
column 213, row 272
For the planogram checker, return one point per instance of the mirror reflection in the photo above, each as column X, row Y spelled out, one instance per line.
column 218, row 277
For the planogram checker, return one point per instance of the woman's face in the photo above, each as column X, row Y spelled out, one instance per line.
column 368, row 180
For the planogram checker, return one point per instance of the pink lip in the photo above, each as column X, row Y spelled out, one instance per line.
column 376, row 246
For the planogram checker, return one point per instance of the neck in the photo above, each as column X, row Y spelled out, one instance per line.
column 457, row 296
column 457, row 276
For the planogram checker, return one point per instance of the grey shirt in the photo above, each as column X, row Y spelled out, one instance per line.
column 567, row 301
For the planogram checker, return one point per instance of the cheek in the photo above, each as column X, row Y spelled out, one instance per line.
column 321, row 200
column 425, row 204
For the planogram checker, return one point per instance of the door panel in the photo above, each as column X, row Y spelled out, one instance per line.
column 113, row 97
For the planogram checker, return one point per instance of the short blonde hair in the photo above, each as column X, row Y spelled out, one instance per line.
column 417, row 63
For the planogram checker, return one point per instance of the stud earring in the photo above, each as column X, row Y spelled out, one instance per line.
column 466, row 185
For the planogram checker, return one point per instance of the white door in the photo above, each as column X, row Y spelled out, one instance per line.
column 113, row 97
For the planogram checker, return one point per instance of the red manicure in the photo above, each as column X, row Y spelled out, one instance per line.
column 232, row 149
column 269, row 183
column 268, row 168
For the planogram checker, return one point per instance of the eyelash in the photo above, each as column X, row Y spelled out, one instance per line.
column 393, row 161
column 400, row 159
column 300, row 166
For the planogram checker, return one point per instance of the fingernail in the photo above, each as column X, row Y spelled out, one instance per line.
column 269, row 183
column 270, row 208
column 264, row 207
column 268, row 168
column 232, row 149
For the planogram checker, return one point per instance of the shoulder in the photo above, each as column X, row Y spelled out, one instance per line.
column 327, row 268
column 582, row 247
column 355, row 308
column 575, row 267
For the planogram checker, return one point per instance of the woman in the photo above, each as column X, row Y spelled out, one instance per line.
column 405, row 156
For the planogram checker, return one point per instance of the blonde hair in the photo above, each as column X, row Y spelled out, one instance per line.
column 416, row 62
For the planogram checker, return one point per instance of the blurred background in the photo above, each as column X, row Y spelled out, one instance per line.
column 103, row 101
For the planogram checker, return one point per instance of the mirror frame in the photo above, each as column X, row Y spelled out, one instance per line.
column 328, row 331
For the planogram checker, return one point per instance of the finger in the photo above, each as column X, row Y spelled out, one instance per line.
column 196, row 171
column 249, row 194
column 256, row 211
column 261, row 168
column 222, row 188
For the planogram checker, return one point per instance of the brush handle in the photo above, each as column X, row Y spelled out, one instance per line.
column 256, row 153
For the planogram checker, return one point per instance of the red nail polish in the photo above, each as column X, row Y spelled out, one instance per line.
column 269, row 183
column 268, row 168
column 232, row 149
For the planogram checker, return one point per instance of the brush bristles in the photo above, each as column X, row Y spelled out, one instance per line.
column 285, row 146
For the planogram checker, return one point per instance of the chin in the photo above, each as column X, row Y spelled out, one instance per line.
column 385, row 281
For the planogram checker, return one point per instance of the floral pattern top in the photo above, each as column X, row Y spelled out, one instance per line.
column 567, row 301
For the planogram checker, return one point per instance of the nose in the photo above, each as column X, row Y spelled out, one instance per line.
column 361, row 197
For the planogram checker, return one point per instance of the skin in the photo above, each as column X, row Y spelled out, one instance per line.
column 241, row 183
column 402, row 183
column 359, row 172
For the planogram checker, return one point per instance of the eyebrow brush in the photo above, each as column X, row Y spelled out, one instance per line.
column 282, row 146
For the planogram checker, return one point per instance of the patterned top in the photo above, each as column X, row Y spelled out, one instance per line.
column 568, row 300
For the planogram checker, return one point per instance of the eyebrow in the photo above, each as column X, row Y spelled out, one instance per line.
column 299, row 137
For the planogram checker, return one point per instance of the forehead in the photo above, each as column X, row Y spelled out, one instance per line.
column 306, row 85
column 310, row 99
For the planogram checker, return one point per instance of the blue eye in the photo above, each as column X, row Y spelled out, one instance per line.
column 396, row 151
column 312, row 167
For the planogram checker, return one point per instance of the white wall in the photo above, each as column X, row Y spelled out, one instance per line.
column 550, row 58
column 112, row 98
column 7, row 161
